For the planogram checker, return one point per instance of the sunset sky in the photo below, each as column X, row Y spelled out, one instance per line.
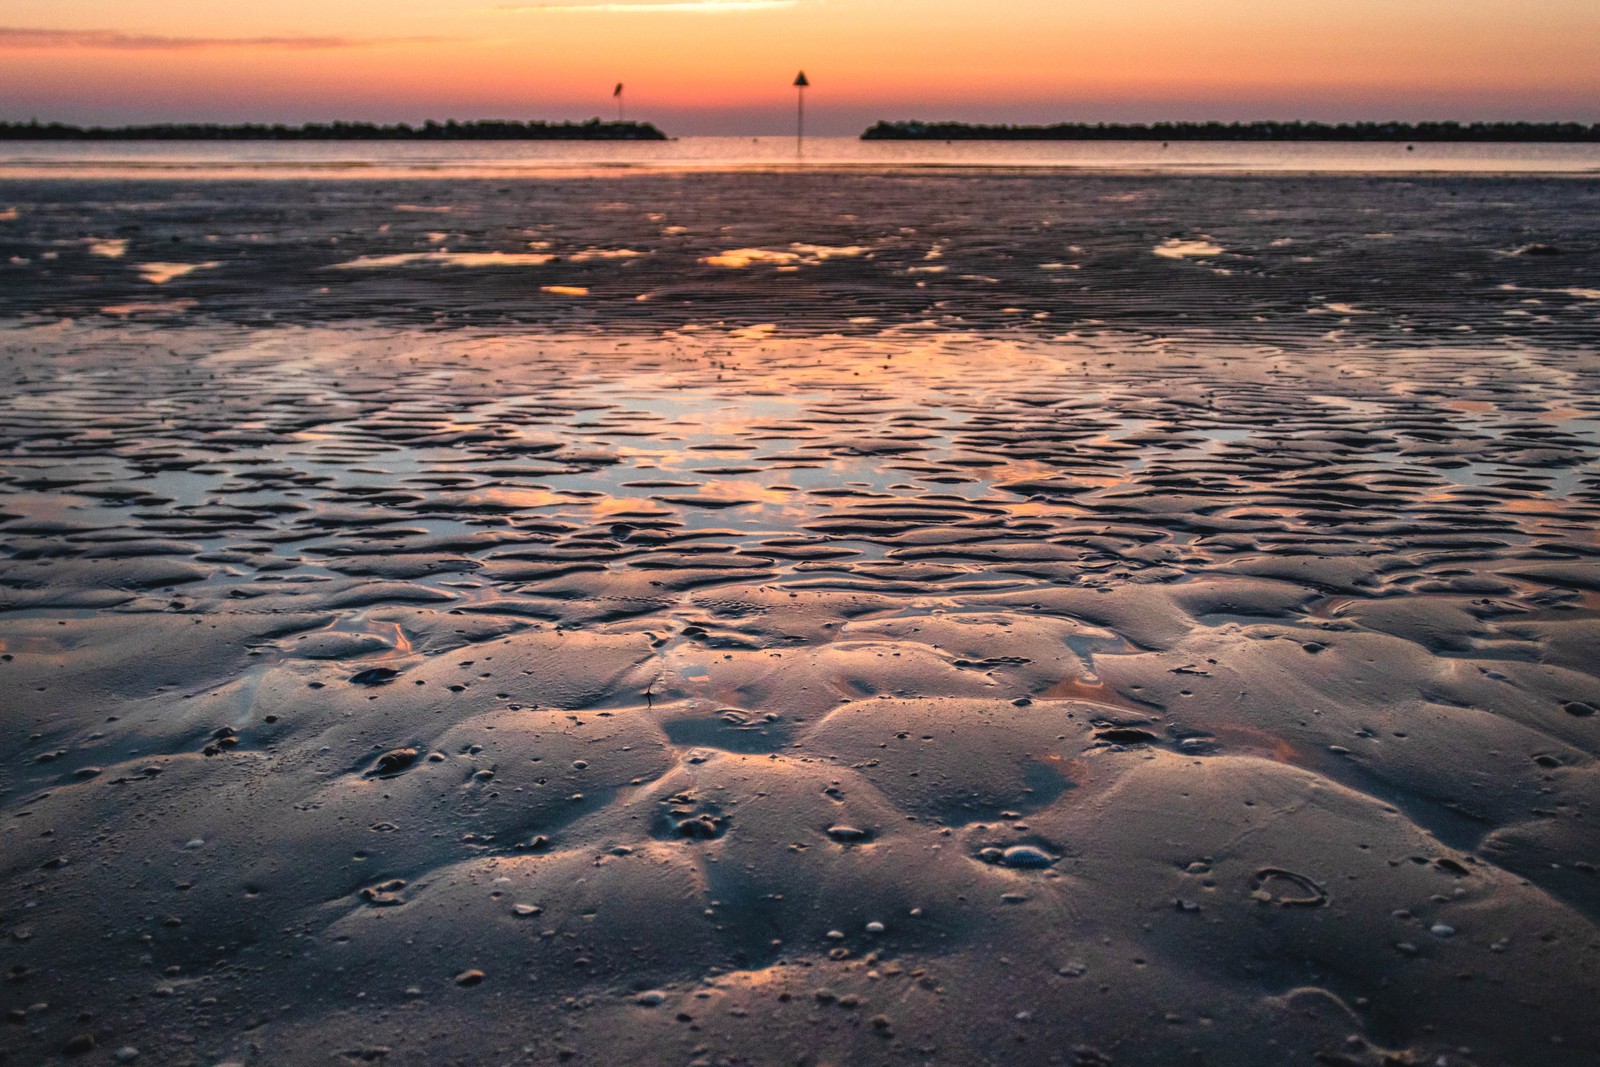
column 724, row 66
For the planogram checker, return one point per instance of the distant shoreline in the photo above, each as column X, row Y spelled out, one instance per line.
column 494, row 130
column 1426, row 132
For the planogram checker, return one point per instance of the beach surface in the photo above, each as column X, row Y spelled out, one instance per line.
column 801, row 618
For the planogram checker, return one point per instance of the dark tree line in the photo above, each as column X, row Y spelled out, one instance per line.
column 1241, row 131
column 493, row 130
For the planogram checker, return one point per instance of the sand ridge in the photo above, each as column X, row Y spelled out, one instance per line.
column 737, row 688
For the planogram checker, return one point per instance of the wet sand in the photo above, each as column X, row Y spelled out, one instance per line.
column 1000, row 620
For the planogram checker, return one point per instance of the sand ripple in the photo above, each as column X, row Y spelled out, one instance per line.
column 671, row 619
column 857, row 695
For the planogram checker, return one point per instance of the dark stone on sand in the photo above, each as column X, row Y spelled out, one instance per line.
column 469, row 978
column 703, row 827
column 384, row 895
column 1126, row 735
column 78, row 1044
column 847, row 834
column 394, row 761
column 375, row 676
column 1579, row 708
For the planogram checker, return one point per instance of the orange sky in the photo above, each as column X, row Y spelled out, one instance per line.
column 724, row 66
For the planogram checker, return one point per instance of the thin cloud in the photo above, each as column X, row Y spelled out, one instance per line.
column 643, row 7
column 115, row 40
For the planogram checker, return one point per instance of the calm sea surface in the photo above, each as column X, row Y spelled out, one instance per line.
column 497, row 158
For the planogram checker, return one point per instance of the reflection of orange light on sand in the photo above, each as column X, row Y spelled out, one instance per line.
column 149, row 307
column 162, row 273
column 622, row 505
column 736, row 490
column 1079, row 689
column 739, row 258
column 446, row 259
column 564, row 290
column 1029, row 508
column 515, row 497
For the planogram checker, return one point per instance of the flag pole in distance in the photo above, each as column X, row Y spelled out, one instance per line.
column 616, row 94
column 801, row 84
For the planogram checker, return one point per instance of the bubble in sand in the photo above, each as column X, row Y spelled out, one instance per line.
column 1026, row 857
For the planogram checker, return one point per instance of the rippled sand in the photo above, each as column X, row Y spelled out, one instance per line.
column 1209, row 678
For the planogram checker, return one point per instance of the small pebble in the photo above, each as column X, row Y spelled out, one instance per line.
column 469, row 978
column 394, row 761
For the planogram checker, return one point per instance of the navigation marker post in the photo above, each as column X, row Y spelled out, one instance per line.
column 616, row 94
column 801, row 84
